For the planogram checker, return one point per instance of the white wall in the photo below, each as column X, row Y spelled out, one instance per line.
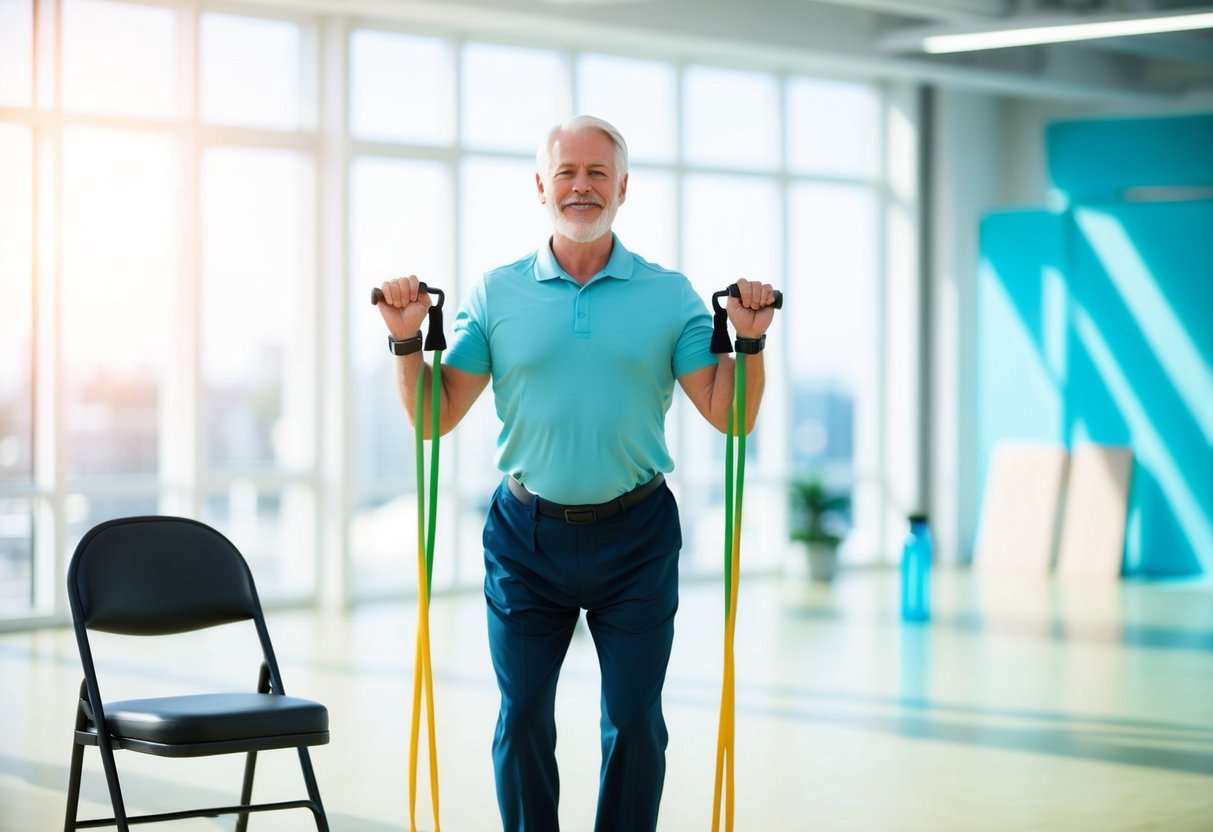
column 967, row 181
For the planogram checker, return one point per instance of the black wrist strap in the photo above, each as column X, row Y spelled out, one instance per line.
column 750, row 346
column 408, row 346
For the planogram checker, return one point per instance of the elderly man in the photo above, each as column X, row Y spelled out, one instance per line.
column 583, row 342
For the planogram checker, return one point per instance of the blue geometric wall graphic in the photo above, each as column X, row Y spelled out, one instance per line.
column 1095, row 323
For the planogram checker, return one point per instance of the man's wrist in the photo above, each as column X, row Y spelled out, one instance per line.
column 404, row 346
column 749, row 346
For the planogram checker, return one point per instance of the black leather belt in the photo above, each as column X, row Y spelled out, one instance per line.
column 587, row 514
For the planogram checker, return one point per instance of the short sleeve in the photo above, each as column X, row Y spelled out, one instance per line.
column 694, row 348
column 469, row 348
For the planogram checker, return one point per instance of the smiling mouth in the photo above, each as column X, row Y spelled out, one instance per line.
column 581, row 206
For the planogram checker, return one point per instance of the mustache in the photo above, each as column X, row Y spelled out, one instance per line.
column 582, row 200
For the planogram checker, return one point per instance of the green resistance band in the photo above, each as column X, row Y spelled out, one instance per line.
column 423, row 671
column 734, row 490
column 427, row 520
column 734, row 487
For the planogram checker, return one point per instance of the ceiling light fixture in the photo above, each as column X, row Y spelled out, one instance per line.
column 1043, row 32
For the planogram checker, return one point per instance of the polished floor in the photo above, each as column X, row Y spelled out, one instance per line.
column 1025, row 705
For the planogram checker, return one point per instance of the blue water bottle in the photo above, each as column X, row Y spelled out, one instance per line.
column 916, row 571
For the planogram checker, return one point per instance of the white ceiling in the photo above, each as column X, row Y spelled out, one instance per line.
column 849, row 37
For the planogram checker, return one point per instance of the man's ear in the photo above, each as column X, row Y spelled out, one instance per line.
column 623, row 189
column 543, row 197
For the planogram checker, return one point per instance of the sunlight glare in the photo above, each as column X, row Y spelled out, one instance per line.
column 16, row 52
column 119, row 58
column 1035, row 411
column 1169, row 340
column 250, row 71
column 1149, row 444
column 120, row 254
column 253, row 205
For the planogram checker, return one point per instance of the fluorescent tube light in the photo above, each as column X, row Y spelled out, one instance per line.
column 1060, row 32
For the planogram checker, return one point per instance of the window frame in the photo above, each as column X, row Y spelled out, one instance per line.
column 331, row 320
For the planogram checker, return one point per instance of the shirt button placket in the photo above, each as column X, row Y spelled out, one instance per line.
column 581, row 313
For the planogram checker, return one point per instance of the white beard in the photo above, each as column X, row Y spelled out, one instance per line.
column 582, row 232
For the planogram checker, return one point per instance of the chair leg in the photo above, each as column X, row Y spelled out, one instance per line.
column 111, row 779
column 77, row 765
column 73, row 788
column 250, row 763
column 246, row 791
column 313, row 790
column 322, row 823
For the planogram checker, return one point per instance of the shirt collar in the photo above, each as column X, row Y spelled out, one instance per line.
column 619, row 265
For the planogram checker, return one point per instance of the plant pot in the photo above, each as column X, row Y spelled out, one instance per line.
column 823, row 561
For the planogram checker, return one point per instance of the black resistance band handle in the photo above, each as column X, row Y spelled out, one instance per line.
column 378, row 298
column 434, row 339
column 734, row 292
column 720, row 317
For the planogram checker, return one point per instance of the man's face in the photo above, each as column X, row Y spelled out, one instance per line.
column 582, row 187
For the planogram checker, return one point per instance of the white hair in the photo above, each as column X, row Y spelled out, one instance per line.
column 543, row 159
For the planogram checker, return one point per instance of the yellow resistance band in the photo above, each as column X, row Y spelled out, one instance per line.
column 732, row 565
column 423, row 670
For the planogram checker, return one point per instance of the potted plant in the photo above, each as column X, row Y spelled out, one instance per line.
column 819, row 520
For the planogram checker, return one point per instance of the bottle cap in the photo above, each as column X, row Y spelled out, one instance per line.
column 918, row 518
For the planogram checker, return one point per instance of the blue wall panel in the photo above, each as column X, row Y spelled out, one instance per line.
column 1141, row 373
column 1022, row 257
column 1097, row 159
column 1096, row 324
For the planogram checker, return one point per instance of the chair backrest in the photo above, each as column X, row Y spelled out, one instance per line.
column 158, row 575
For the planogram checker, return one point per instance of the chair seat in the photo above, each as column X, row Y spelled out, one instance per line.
column 214, row 717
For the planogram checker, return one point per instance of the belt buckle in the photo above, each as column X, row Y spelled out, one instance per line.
column 580, row 516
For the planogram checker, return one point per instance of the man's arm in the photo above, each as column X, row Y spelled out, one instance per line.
column 458, row 393
column 404, row 307
column 710, row 389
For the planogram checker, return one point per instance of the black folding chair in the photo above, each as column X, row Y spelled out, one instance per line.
column 149, row 576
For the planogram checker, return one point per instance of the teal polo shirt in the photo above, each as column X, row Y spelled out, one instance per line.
column 582, row 376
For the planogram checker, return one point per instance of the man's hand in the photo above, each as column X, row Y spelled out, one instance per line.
column 404, row 306
column 752, row 312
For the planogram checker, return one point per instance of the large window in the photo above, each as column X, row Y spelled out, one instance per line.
column 636, row 96
column 510, row 95
column 402, row 88
column 196, row 201
column 401, row 223
column 731, row 119
column 639, row 97
column 834, row 382
column 120, row 263
column 257, row 375
column 834, row 258
column 119, row 59
column 250, row 71
column 756, row 179
column 833, row 129
column 158, row 284
column 16, row 53
column 16, row 370
column 258, row 365
column 731, row 229
column 18, row 502
column 16, row 287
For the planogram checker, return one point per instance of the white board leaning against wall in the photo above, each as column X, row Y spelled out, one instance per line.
column 1020, row 509
column 1093, row 523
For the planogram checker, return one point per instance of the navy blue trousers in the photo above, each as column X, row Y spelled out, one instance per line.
column 540, row 573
